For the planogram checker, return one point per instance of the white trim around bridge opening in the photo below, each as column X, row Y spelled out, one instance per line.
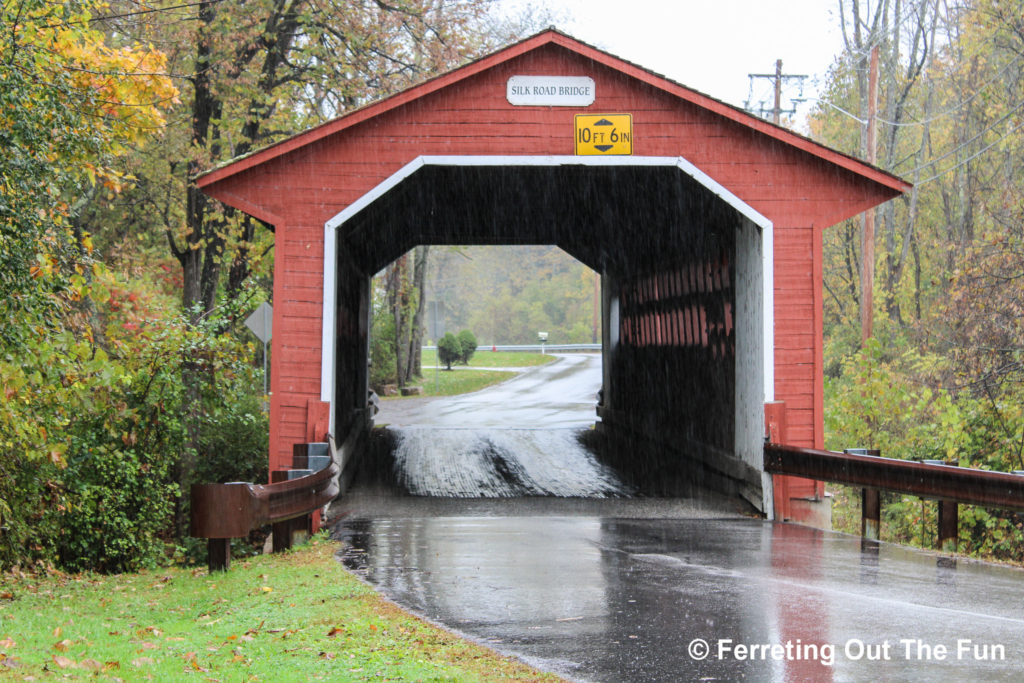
column 741, row 207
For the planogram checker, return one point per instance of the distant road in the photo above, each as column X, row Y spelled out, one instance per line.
column 560, row 394
column 546, row 348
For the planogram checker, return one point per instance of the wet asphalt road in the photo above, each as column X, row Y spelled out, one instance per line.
column 596, row 597
column 634, row 589
column 561, row 394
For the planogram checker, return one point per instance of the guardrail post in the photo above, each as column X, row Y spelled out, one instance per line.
column 870, row 502
column 949, row 517
column 870, row 514
column 775, row 431
column 283, row 533
column 218, row 554
column 949, row 525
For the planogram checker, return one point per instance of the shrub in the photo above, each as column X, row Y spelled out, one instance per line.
column 95, row 461
column 467, row 346
column 382, row 350
column 234, row 443
column 448, row 350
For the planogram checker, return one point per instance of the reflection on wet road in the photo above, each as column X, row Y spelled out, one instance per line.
column 596, row 596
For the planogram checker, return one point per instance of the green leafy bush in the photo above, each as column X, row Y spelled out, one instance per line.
column 234, row 441
column 95, row 461
column 467, row 346
column 448, row 350
column 382, row 349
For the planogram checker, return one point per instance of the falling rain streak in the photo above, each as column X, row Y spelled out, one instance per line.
column 462, row 463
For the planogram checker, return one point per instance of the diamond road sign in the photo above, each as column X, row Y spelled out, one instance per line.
column 260, row 322
column 604, row 134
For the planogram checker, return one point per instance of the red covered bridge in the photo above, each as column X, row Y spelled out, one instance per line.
column 705, row 224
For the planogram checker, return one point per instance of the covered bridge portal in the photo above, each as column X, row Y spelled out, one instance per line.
column 705, row 228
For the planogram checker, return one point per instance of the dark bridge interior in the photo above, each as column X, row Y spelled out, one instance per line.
column 681, row 301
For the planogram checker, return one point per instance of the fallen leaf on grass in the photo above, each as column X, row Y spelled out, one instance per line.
column 63, row 662
column 143, row 661
column 7, row 595
column 62, row 646
column 7, row 643
column 193, row 661
column 90, row 664
column 335, row 630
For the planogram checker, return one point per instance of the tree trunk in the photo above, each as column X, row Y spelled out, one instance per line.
column 419, row 278
column 398, row 301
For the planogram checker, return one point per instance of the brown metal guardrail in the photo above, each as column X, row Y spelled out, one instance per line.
column 221, row 512
column 949, row 484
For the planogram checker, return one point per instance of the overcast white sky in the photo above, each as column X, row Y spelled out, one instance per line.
column 710, row 45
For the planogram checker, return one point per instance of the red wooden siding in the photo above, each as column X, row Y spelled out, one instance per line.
column 300, row 184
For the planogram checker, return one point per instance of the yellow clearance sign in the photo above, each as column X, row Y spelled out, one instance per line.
column 604, row 134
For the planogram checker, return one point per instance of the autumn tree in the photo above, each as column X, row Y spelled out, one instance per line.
column 254, row 72
column 73, row 101
column 949, row 252
column 986, row 226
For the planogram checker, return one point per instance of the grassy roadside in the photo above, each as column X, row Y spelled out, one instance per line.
column 289, row 617
column 447, row 383
column 463, row 381
column 494, row 359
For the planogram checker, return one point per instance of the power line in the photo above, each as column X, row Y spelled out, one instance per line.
column 973, row 156
column 998, row 78
column 973, row 139
column 124, row 15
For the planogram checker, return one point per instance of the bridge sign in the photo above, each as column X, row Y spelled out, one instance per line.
column 604, row 134
column 261, row 322
column 550, row 91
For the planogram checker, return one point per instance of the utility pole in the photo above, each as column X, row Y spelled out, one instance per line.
column 777, row 109
column 867, row 239
column 779, row 80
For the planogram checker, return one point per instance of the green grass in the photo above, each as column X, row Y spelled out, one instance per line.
column 450, row 383
column 495, row 359
column 465, row 380
column 295, row 616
